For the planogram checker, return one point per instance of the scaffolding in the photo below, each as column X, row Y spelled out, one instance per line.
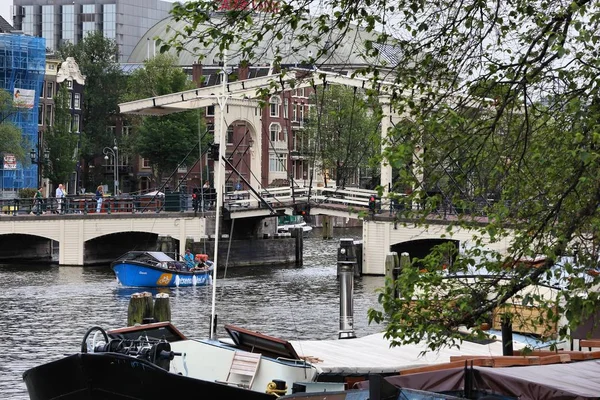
column 22, row 69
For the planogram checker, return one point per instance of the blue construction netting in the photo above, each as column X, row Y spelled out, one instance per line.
column 22, row 69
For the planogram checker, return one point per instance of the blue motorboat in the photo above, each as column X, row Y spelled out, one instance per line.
column 157, row 269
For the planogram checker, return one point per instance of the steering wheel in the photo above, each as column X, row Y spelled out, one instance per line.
column 97, row 331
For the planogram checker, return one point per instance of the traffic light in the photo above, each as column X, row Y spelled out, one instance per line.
column 372, row 203
column 302, row 209
column 214, row 151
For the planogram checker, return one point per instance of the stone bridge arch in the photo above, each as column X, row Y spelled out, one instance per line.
column 27, row 246
column 420, row 248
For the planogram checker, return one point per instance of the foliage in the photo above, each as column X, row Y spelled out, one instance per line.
column 165, row 140
column 11, row 140
column 341, row 134
column 97, row 57
column 27, row 193
column 500, row 107
column 61, row 141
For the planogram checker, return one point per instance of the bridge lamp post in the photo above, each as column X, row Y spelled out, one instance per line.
column 35, row 159
column 114, row 152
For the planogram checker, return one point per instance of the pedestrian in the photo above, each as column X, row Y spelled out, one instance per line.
column 99, row 195
column 60, row 194
column 37, row 202
column 206, row 196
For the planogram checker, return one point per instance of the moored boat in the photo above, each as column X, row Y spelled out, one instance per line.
column 157, row 269
column 155, row 360
column 287, row 222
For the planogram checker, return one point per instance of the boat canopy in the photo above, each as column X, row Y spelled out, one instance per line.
column 576, row 381
column 372, row 354
column 145, row 256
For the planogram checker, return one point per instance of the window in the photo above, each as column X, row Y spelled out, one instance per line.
column 42, row 91
column 77, row 101
column 48, row 26
column 123, row 155
column 28, row 24
column 68, row 23
column 274, row 104
column 275, row 130
column 69, row 84
column 70, row 99
column 294, row 113
column 277, row 162
column 109, row 20
column 111, row 130
column 210, row 111
column 50, row 90
column 48, row 114
column 294, row 141
column 41, row 114
column 230, row 134
column 301, row 112
column 76, row 122
column 145, row 163
column 283, row 135
column 286, row 105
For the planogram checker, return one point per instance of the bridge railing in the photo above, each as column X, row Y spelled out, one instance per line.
column 87, row 204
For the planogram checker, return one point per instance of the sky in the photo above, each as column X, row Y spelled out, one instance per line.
column 5, row 10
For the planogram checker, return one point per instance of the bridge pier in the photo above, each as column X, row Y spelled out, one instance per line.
column 327, row 227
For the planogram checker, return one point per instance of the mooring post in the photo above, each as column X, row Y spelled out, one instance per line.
column 212, row 328
column 140, row 307
column 507, row 338
column 346, row 254
column 346, row 266
column 400, row 264
column 162, row 308
column 297, row 234
column 390, row 264
column 358, row 249
column 327, row 227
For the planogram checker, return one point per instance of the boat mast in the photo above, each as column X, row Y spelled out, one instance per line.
column 219, row 189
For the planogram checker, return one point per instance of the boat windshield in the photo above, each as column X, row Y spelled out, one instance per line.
column 146, row 256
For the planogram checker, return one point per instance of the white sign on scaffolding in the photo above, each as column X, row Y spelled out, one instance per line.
column 10, row 161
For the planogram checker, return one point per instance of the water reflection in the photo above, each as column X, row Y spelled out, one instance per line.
column 47, row 309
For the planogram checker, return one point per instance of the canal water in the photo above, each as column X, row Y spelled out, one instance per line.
column 46, row 309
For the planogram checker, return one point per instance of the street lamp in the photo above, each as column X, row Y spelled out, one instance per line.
column 115, row 154
column 35, row 159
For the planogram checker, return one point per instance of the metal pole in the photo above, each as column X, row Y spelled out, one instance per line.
column 219, row 171
column 116, row 168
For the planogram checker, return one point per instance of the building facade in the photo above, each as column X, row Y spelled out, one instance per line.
column 22, row 68
column 60, row 73
column 59, row 21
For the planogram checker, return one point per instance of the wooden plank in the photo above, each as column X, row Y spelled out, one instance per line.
column 511, row 361
column 468, row 357
column 555, row 359
column 574, row 355
column 481, row 362
column 589, row 343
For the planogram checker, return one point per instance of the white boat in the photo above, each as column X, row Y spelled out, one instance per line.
column 287, row 222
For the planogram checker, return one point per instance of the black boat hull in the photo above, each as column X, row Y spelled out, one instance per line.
column 113, row 376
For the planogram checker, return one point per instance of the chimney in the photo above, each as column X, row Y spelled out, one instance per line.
column 197, row 74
